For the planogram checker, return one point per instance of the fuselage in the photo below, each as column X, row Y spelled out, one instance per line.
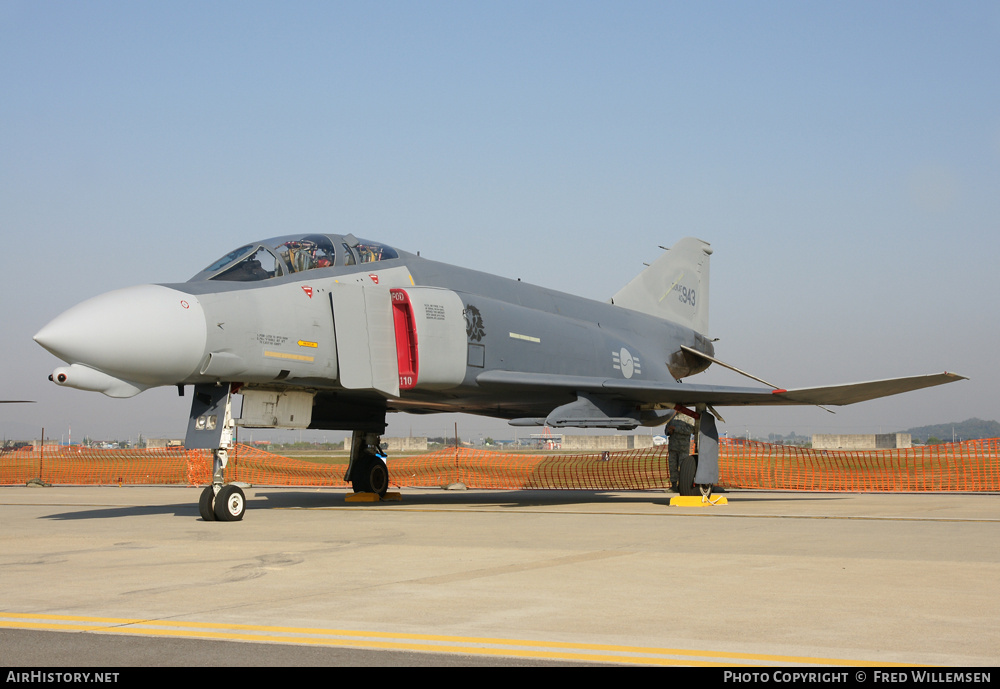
column 397, row 332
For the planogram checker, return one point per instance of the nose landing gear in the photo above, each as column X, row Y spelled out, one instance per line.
column 219, row 502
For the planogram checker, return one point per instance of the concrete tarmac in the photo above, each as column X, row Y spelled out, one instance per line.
column 498, row 577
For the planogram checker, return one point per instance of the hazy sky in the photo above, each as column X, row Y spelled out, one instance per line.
column 842, row 158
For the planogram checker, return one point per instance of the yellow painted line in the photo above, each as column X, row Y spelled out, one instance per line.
column 553, row 650
column 294, row 357
column 526, row 338
column 671, row 288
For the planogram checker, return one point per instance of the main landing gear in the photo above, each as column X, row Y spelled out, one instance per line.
column 367, row 471
column 219, row 502
column 689, row 464
column 686, row 472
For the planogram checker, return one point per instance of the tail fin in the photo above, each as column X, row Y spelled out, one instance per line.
column 674, row 287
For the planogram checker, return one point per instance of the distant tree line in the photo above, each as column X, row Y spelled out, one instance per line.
column 970, row 429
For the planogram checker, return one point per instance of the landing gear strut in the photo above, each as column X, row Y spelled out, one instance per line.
column 367, row 471
column 689, row 465
column 210, row 426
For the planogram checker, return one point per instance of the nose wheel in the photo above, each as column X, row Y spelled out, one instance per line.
column 228, row 505
column 218, row 502
column 206, row 504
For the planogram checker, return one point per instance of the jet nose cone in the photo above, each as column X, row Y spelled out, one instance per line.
column 148, row 334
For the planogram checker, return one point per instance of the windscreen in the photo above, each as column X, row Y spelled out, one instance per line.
column 291, row 254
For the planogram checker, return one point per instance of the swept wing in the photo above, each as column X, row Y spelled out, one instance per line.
column 654, row 392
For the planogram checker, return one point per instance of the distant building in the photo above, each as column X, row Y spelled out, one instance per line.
column 163, row 443
column 875, row 441
column 606, row 442
column 408, row 444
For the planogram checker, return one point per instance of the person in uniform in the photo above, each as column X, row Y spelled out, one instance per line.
column 679, row 430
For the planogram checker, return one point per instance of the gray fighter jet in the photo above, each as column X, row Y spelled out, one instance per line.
column 333, row 332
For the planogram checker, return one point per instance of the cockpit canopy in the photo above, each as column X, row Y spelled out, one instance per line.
column 289, row 254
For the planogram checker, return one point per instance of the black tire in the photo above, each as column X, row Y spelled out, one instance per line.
column 371, row 476
column 206, row 504
column 359, row 473
column 687, row 470
column 230, row 504
column 378, row 477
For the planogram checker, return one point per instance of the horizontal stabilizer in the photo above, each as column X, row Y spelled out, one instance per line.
column 860, row 392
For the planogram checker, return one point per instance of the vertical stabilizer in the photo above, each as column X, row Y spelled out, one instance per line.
column 674, row 287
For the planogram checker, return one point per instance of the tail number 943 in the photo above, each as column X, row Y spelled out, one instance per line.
column 685, row 295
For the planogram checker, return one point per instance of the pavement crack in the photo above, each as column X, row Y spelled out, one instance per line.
column 521, row 567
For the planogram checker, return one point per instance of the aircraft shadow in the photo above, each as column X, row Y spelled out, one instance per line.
column 499, row 498
column 179, row 510
column 285, row 498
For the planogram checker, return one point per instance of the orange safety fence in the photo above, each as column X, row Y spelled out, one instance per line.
column 249, row 464
column 73, row 465
column 625, row 470
column 968, row 466
column 972, row 465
